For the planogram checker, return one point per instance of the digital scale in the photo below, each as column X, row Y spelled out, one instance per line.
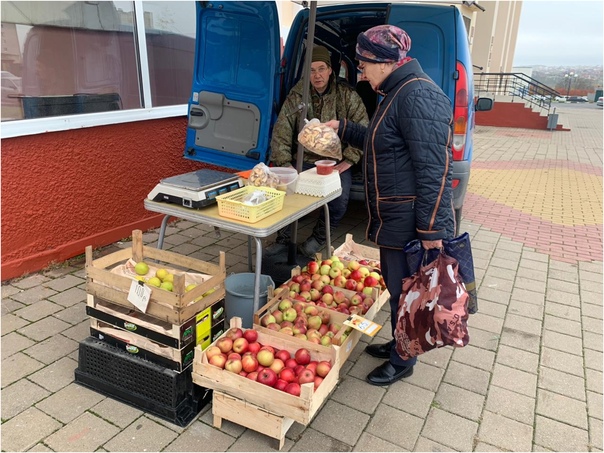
column 195, row 189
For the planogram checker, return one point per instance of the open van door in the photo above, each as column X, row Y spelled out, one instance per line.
column 235, row 76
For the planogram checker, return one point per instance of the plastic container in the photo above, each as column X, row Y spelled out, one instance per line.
column 239, row 299
column 325, row 167
column 313, row 184
column 287, row 178
column 231, row 206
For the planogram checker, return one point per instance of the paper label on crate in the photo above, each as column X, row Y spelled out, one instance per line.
column 139, row 295
column 364, row 325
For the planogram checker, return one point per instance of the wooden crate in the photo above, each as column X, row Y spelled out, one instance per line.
column 174, row 307
column 299, row 408
column 246, row 414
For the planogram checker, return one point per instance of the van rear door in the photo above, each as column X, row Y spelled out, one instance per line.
column 432, row 28
column 233, row 93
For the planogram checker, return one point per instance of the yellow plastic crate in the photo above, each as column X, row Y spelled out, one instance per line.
column 231, row 206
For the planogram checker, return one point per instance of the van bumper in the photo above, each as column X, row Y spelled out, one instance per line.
column 461, row 171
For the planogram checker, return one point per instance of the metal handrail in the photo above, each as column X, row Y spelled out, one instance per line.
column 516, row 84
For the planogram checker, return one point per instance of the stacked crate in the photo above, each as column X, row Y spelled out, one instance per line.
column 144, row 359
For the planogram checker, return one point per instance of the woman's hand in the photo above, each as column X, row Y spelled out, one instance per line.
column 438, row 244
column 334, row 124
column 342, row 167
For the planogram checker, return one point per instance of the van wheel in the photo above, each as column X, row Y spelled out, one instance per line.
column 457, row 221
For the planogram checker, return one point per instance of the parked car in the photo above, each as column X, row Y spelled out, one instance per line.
column 577, row 99
column 241, row 80
column 600, row 101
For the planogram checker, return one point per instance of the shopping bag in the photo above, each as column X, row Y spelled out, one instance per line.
column 432, row 310
column 458, row 248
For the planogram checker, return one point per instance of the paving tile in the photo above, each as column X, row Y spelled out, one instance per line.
column 534, row 256
column 10, row 323
column 563, row 311
column 562, row 361
column 595, row 434
column 70, row 402
column 594, row 405
column 467, row 377
column 201, row 437
column 505, row 274
column 559, row 436
column 563, row 297
column 561, row 342
column 424, row 444
column 18, row 366
column 592, row 341
column 348, row 392
column 483, row 339
column 591, row 324
column 594, row 287
column 518, row 358
column 563, row 285
column 365, row 364
column 530, row 297
column 492, row 308
column 142, row 435
column 426, row 376
column 73, row 315
column 504, row 263
column 39, row 447
column 30, row 281
column 459, row 401
column 43, row 329
column 495, row 294
column 593, row 380
column 8, row 290
column 33, row 295
column 438, row 357
column 528, row 283
column 409, row 398
column 78, row 332
column 481, row 446
column 523, row 324
column 19, row 396
column 86, row 433
column 64, row 283
column 386, row 424
column 235, row 430
column 254, row 441
column 52, row 349
column 56, row 375
column 505, row 433
column 514, row 380
column 450, row 430
column 13, row 343
column 340, row 422
column 563, row 275
column 116, row 412
column 593, row 359
column 70, row 297
column 27, row 429
column 313, row 440
column 39, row 310
column 526, row 310
column 561, row 408
column 511, row 405
column 565, row 326
column 369, row 442
column 563, row 383
column 485, row 322
column 476, row 357
column 587, row 297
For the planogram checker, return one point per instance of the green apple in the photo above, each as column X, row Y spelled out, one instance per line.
column 141, row 268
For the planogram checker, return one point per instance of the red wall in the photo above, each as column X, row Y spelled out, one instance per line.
column 63, row 191
column 513, row 114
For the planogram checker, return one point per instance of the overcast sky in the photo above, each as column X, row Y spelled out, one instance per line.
column 560, row 33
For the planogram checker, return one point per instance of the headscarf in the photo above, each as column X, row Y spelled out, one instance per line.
column 383, row 44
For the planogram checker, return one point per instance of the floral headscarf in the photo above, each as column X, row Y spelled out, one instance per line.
column 383, row 44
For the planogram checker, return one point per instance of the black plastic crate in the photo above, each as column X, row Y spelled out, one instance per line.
column 142, row 384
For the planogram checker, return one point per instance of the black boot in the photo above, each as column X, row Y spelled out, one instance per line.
column 387, row 373
column 380, row 351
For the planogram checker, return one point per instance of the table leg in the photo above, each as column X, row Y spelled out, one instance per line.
column 327, row 232
column 257, row 274
column 250, row 268
column 162, row 231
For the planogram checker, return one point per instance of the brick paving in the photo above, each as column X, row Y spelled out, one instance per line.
column 530, row 379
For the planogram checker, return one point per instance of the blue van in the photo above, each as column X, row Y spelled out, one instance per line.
column 241, row 78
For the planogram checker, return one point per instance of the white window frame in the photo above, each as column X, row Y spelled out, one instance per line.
column 19, row 128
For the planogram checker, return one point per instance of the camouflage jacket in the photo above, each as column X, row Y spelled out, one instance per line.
column 341, row 101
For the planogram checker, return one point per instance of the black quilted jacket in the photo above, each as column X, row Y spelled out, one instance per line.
column 407, row 160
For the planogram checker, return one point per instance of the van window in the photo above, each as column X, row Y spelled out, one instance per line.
column 82, row 57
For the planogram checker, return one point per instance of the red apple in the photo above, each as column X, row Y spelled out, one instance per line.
column 312, row 366
column 287, row 374
column 353, row 265
column 240, row 345
column 212, row 351
column 305, row 286
column 267, row 377
column 323, row 368
column 282, row 354
column 254, row 347
column 250, row 335
column 371, row 281
column 281, row 384
column 234, row 356
column 291, row 363
column 225, row 344
column 267, row 319
column 356, row 275
column 277, row 365
column 302, row 356
column 306, row 376
column 234, row 333
column 233, row 365
column 318, row 380
column 298, row 369
column 253, row 375
column 293, row 388
column 312, row 267
column 249, row 363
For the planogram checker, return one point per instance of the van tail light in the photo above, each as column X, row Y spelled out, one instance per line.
column 455, row 183
column 460, row 112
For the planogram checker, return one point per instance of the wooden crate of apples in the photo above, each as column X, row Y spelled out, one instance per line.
column 274, row 373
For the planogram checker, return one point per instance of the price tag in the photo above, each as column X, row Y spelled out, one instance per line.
column 139, row 295
column 364, row 325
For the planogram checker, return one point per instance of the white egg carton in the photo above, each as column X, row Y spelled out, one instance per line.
column 310, row 183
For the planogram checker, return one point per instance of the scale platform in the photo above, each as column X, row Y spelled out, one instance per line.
column 195, row 189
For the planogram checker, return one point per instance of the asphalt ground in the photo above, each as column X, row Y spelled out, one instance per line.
column 530, row 379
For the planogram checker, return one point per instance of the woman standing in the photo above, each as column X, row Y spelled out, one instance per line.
column 407, row 168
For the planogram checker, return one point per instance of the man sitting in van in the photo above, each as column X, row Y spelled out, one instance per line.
column 329, row 100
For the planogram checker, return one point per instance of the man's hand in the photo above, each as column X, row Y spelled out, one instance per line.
column 438, row 244
column 342, row 167
column 334, row 124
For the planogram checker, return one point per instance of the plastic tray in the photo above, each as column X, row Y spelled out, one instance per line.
column 310, row 183
column 230, row 205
